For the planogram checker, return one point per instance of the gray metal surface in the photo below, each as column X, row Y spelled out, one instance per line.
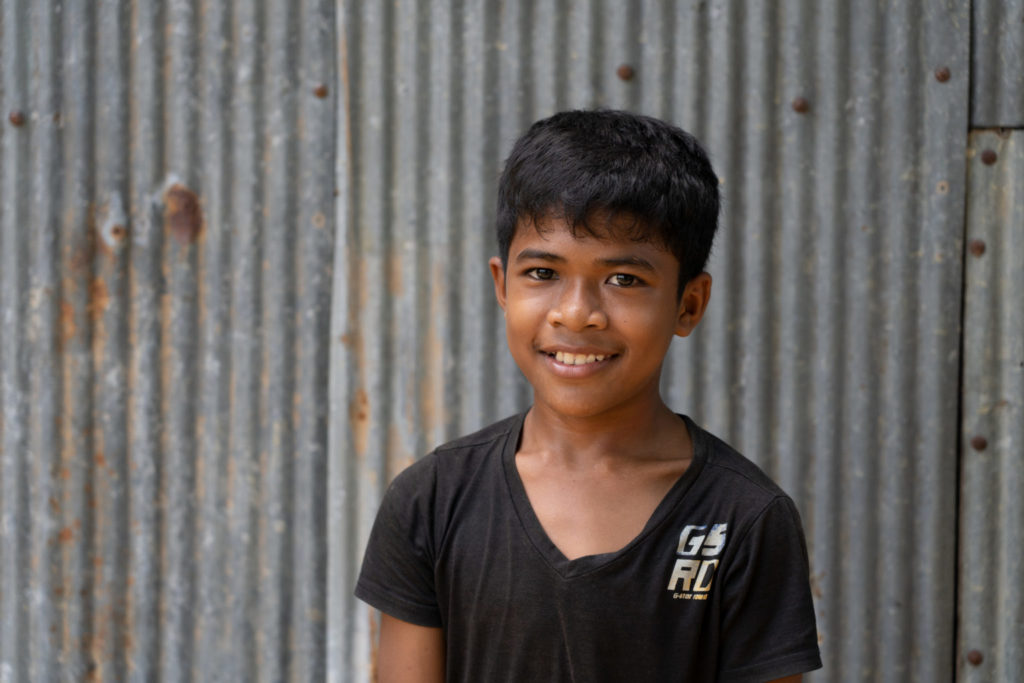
column 997, row 63
column 991, row 598
column 830, row 353
column 166, row 236
column 203, row 251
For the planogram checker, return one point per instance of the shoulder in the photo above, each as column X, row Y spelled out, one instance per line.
column 449, row 466
column 728, row 467
column 740, row 491
column 483, row 439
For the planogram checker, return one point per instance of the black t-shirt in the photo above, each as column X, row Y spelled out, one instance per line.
column 715, row 587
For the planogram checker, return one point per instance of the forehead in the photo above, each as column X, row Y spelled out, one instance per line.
column 621, row 233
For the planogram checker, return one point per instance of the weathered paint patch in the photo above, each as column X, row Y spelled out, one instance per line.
column 183, row 216
column 359, row 414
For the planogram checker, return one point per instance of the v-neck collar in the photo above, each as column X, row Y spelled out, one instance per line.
column 554, row 557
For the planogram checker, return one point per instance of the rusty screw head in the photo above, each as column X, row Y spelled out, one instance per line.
column 625, row 72
column 974, row 657
column 16, row 118
column 801, row 105
column 979, row 443
column 988, row 157
column 977, row 247
column 942, row 74
column 320, row 90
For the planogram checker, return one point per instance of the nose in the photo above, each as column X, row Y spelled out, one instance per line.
column 578, row 307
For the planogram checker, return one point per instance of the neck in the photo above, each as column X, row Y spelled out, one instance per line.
column 636, row 432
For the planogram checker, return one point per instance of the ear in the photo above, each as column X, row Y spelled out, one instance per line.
column 498, row 274
column 693, row 303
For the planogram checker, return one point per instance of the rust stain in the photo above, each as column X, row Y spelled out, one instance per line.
column 64, row 473
column 99, row 299
column 68, row 328
column 66, row 535
column 432, row 385
column 319, row 220
column 395, row 275
column 816, row 590
column 100, row 460
column 182, row 214
column 374, row 646
column 359, row 414
column 347, row 339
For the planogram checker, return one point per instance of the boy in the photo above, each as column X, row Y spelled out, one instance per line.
column 599, row 536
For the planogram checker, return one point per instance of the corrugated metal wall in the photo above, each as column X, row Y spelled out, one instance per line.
column 220, row 221
column 166, row 245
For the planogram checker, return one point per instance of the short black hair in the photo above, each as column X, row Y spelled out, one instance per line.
column 578, row 165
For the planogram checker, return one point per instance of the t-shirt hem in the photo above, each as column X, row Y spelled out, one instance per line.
column 799, row 663
column 414, row 614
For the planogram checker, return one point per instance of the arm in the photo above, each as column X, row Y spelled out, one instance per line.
column 409, row 653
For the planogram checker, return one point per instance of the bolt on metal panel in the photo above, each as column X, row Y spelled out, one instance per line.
column 997, row 64
column 991, row 602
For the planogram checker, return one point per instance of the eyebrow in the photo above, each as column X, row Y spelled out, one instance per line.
column 541, row 255
column 634, row 261
column 538, row 254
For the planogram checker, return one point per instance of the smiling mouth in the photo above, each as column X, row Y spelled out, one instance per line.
column 578, row 358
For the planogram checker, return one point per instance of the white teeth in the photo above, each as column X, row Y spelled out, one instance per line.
column 578, row 358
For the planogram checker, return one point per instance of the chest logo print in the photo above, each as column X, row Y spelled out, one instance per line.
column 697, row 559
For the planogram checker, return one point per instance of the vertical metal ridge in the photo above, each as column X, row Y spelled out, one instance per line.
column 15, row 434
column 107, row 308
column 499, row 376
column 898, row 256
column 214, row 138
column 437, row 396
column 144, row 385
column 315, row 180
column 78, row 496
column 997, row 51
column 238, row 630
column 42, row 596
column 403, row 252
column 798, row 229
column 348, row 640
column 274, row 539
column 181, row 234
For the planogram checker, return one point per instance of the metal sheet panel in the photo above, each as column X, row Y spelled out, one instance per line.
column 167, row 238
column 997, row 63
column 991, row 597
column 830, row 352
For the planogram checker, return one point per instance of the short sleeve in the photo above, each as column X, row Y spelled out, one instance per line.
column 768, row 624
column 397, row 576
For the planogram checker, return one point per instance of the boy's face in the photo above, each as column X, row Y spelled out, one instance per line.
column 589, row 319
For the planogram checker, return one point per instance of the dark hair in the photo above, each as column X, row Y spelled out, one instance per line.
column 578, row 165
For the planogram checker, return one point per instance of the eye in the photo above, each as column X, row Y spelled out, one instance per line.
column 624, row 280
column 541, row 273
